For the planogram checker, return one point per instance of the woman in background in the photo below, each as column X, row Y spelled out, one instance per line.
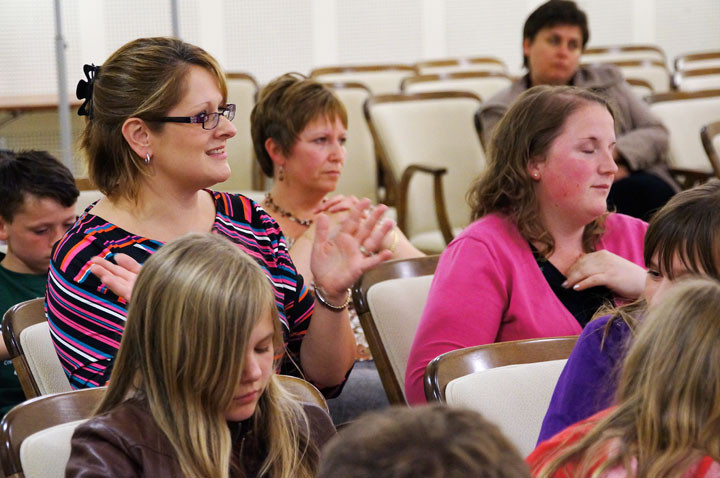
column 666, row 421
column 193, row 391
column 543, row 253
column 299, row 128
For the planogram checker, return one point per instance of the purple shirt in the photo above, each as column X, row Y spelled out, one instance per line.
column 588, row 382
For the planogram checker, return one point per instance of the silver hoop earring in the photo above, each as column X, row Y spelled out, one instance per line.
column 147, row 158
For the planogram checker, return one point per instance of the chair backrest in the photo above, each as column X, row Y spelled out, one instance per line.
column 379, row 79
column 691, row 61
column 432, row 133
column 242, row 91
column 652, row 71
column 612, row 53
column 514, row 397
column 26, row 333
column 483, row 83
column 684, row 114
column 359, row 176
column 642, row 87
column 303, row 391
column 455, row 65
column 35, row 435
column 457, row 363
column 710, row 136
column 696, row 80
column 389, row 300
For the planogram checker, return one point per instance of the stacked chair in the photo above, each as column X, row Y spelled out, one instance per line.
column 484, row 84
column 429, row 145
column 684, row 114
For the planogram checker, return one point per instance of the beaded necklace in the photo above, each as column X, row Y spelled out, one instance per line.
column 271, row 204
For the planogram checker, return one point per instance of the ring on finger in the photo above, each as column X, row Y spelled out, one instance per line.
column 365, row 252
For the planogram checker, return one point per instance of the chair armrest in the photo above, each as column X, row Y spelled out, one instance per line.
column 688, row 178
column 439, row 195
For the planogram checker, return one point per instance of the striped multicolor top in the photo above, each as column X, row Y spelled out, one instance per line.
column 87, row 319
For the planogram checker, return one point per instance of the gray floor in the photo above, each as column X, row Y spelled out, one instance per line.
column 363, row 392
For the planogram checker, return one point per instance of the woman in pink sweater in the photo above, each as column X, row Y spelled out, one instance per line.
column 543, row 253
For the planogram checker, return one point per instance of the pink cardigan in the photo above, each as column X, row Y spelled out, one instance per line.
column 488, row 288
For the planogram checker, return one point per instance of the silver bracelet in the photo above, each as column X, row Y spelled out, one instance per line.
column 335, row 308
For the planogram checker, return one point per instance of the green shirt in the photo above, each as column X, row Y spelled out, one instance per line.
column 15, row 288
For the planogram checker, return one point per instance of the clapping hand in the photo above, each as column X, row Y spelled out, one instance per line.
column 342, row 253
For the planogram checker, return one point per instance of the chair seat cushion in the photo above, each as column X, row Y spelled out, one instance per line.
column 515, row 397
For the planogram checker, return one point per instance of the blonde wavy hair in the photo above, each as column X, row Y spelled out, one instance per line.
column 194, row 306
column 668, row 414
column 524, row 134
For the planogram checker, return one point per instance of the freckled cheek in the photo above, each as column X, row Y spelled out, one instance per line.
column 564, row 187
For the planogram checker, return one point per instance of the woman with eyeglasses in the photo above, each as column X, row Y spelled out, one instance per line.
column 158, row 123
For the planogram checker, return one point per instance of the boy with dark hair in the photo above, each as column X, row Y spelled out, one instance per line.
column 37, row 206
column 433, row 441
column 554, row 37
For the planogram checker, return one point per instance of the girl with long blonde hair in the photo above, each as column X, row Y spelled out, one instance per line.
column 193, row 391
column 667, row 419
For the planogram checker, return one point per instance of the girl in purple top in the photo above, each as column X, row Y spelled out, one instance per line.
column 682, row 238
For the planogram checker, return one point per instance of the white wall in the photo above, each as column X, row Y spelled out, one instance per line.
column 270, row 37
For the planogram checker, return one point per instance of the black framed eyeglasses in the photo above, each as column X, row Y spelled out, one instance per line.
column 208, row 120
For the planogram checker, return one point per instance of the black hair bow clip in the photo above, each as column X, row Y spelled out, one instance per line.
column 84, row 90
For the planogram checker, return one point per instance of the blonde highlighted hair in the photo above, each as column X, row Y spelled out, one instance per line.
column 194, row 306
column 143, row 79
column 668, row 415
column 524, row 134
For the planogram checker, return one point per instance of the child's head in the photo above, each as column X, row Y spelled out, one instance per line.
column 201, row 344
column 37, row 207
column 668, row 415
column 430, row 441
column 683, row 237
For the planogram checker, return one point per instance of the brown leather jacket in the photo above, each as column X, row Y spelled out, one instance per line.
column 127, row 443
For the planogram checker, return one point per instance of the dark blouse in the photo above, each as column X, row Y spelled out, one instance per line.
column 582, row 304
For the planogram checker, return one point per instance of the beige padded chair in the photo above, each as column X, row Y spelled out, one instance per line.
column 482, row 83
column 514, row 397
column 379, row 79
column 432, row 134
column 245, row 175
column 613, row 53
column 457, row 363
column 26, row 333
column 359, row 176
column 684, row 114
column 697, row 80
column 510, row 383
column 710, row 136
column 642, row 87
column 303, row 391
column 36, row 434
column 389, row 300
column 692, row 61
column 654, row 72
column 456, row 65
